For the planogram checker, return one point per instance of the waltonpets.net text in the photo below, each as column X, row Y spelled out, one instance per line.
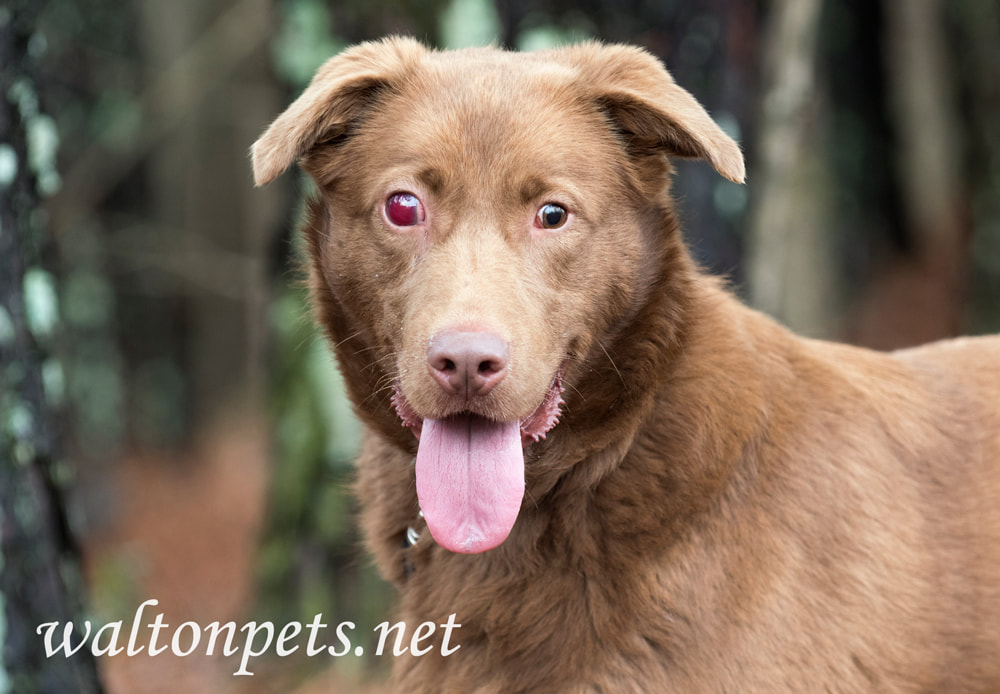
column 257, row 638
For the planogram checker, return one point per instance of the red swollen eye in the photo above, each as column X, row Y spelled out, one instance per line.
column 551, row 216
column 404, row 209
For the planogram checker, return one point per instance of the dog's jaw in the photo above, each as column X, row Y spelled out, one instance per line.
column 540, row 422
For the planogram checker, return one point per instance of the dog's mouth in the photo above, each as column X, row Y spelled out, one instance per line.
column 470, row 470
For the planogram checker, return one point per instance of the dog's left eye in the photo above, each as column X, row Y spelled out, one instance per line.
column 404, row 210
column 551, row 216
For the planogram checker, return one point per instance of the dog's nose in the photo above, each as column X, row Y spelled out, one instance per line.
column 468, row 363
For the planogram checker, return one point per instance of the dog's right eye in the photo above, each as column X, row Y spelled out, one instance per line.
column 404, row 210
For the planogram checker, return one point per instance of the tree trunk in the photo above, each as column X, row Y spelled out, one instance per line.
column 789, row 269
column 39, row 574
column 977, row 71
column 918, row 296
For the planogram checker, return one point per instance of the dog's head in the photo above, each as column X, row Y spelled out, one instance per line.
column 482, row 223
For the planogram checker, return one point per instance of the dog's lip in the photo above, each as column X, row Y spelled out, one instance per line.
column 534, row 427
column 544, row 417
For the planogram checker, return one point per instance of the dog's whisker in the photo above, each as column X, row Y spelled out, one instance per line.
column 384, row 388
column 390, row 357
column 304, row 342
column 384, row 397
column 383, row 384
column 528, row 495
column 576, row 390
column 613, row 365
column 375, row 364
column 372, row 349
column 348, row 339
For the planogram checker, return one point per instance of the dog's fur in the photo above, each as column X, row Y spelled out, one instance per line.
column 723, row 506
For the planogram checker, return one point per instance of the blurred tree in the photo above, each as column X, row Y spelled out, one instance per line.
column 158, row 221
column 790, row 275
column 874, row 141
column 205, row 234
column 919, row 293
column 975, row 26
column 39, row 574
column 899, row 145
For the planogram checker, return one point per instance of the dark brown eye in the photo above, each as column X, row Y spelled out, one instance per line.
column 404, row 210
column 551, row 216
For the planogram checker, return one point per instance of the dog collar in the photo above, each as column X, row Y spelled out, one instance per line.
column 412, row 534
column 410, row 538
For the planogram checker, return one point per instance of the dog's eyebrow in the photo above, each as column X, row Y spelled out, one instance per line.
column 531, row 189
column 434, row 179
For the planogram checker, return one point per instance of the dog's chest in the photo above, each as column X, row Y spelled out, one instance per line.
column 550, row 629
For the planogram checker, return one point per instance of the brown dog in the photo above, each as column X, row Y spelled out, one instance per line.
column 631, row 482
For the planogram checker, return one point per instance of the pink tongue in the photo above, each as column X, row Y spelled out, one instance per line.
column 470, row 480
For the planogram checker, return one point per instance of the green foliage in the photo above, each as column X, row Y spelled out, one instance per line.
column 92, row 378
column 19, row 428
column 304, row 41
column 42, row 137
column 53, row 382
column 8, row 165
column 116, row 119
column 88, row 299
column 96, row 387
column 40, row 302
column 467, row 23
column 117, row 584
column 312, row 410
column 539, row 31
column 43, row 143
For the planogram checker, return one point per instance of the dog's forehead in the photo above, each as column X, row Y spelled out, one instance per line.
column 494, row 84
column 491, row 63
column 487, row 108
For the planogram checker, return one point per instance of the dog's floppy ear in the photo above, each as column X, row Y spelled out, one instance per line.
column 338, row 93
column 646, row 104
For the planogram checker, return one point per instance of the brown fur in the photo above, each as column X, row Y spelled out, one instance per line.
column 723, row 507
